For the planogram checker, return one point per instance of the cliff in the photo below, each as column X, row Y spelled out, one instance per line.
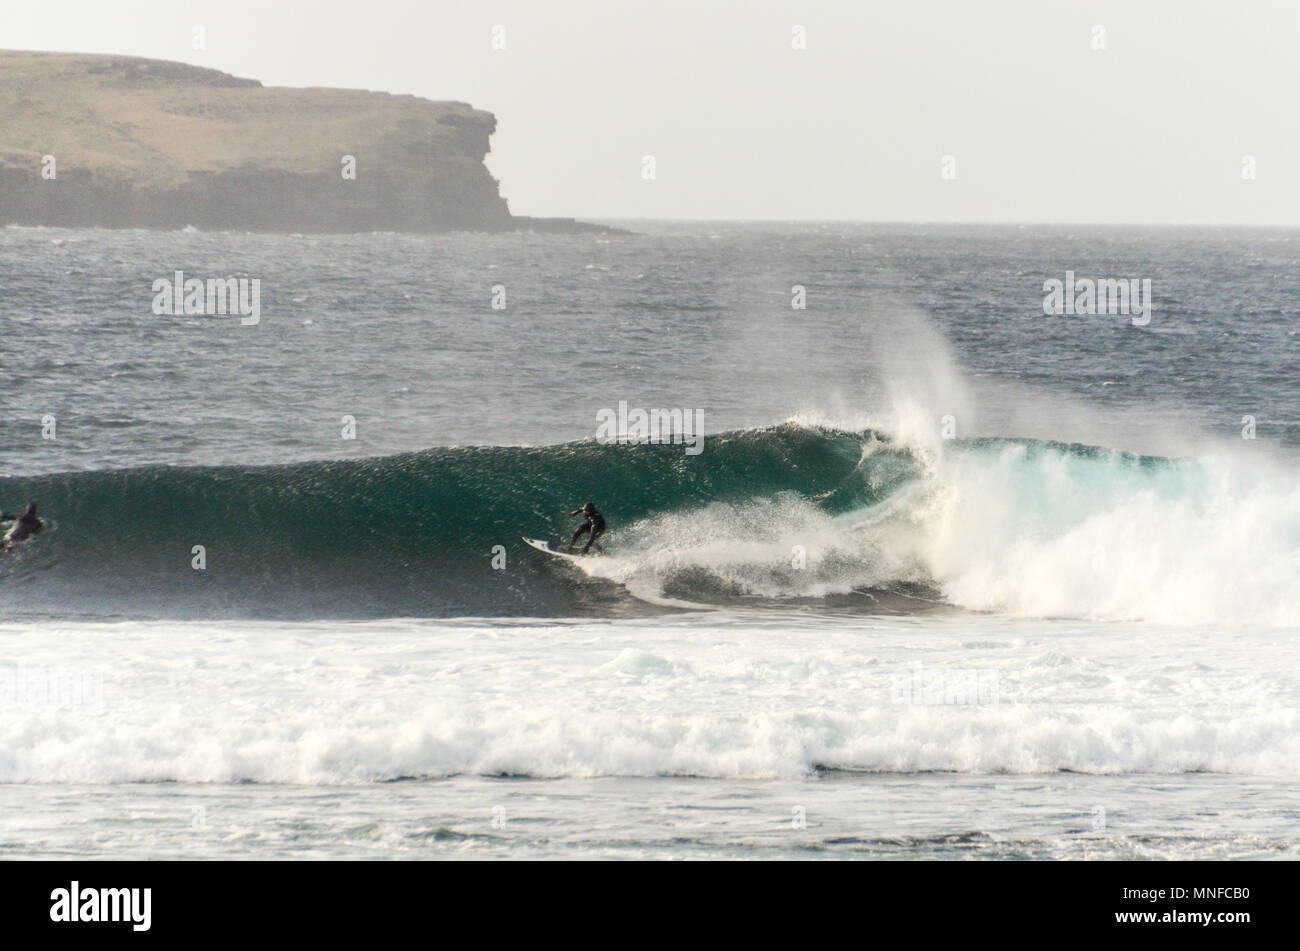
column 139, row 143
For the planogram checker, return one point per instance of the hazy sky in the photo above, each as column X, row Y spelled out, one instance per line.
column 1041, row 126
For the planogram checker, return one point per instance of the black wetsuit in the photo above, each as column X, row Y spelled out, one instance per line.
column 595, row 525
column 24, row 525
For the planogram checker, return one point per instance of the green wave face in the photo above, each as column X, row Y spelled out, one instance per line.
column 404, row 535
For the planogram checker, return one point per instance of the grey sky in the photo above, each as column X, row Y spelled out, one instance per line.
column 1042, row 127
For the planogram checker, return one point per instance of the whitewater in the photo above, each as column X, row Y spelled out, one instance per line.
column 949, row 578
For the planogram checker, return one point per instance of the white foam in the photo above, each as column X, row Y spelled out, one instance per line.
column 1214, row 540
column 337, row 704
column 1032, row 531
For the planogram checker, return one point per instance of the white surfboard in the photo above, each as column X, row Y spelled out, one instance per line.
column 546, row 547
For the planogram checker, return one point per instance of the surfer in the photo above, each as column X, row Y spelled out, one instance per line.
column 595, row 525
column 24, row 526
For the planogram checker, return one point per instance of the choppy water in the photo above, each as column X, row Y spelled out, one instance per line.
column 1068, row 631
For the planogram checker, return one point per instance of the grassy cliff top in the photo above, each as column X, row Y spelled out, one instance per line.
column 153, row 121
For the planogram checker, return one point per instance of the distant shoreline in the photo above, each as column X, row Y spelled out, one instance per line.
column 144, row 143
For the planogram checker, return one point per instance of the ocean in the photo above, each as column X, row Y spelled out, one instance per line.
column 901, row 566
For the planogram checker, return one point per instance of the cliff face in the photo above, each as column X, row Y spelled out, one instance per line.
column 142, row 143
